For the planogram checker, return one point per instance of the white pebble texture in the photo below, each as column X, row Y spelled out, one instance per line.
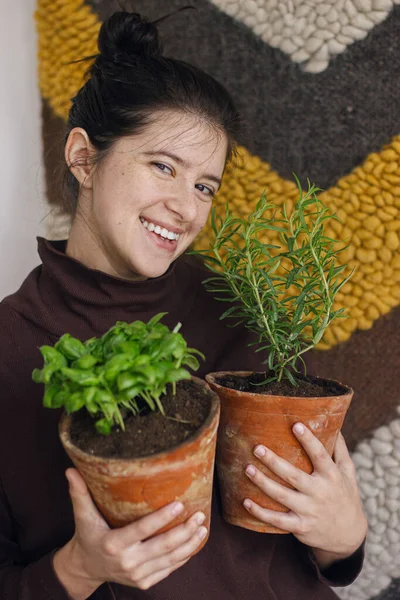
column 377, row 461
column 311, row 32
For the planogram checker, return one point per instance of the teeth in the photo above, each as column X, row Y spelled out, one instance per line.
column 162, row 231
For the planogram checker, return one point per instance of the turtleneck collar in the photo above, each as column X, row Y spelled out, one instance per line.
column 64, row 287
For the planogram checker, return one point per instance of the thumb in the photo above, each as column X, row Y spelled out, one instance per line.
column 82, row 503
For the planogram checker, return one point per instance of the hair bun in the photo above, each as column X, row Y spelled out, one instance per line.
column 125, row 34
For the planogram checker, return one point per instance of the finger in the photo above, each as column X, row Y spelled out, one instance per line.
column 83, row 506
column 319, row 457
column 167, row 542
column 340, row 452
column 286, row 521
column 151, row 580
column 342, row 456
column 146, row 526
column 172, row 559
column 298, row 479
column 290, row 498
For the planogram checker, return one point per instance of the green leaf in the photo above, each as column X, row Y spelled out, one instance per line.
column 51, row 355
column 75, row 402
column 175, row 375
column 85, row 378
column 70, row 347
column 103, row 426
column 126, row 380
column 87, row 361
column 60, row 399
column 155, row 320
column 50, row 392
column 191, row 361
column 37, row 375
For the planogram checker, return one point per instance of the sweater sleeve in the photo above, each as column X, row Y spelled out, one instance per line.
column 35, row 580
column 342, row 572
column 17, row 582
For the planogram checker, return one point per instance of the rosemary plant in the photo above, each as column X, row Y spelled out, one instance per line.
column 283, row 293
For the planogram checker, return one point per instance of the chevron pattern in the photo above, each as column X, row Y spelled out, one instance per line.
column 317, row 84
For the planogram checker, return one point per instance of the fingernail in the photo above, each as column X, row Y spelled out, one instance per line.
column 247, row 504
column 200, row 518
column 250, row 470
column 298, row 428
column 260, row 451
column 177, row 508
column 202, row 532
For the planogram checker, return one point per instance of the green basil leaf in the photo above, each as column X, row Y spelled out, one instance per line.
column 177, row 375
column 85, row 378
column 75, row 402
column 51, row 355
column 70, row 347
column 126, row 380
column 103, row 426
column 87, row 361
column 60, row 398
column 37, row 375
column 50, row 392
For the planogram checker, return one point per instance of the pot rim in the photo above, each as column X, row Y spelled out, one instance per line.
column 65, row 422
column 212, row 378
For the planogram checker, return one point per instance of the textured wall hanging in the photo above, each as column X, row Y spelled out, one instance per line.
column 317, row 84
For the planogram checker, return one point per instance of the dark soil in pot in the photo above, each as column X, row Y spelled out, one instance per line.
column 308, row 387
column 150, row 432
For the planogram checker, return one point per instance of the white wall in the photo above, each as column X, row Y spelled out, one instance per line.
column 22, row 202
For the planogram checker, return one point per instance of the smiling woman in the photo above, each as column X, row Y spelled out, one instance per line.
column 147, row 142
column 160, row 200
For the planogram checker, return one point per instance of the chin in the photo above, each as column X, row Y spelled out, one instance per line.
column 150, row 271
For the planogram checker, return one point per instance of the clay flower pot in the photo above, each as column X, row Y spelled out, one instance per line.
column 248, row 419
column 125, row 490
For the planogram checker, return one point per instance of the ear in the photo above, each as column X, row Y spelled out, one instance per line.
column 78, row 152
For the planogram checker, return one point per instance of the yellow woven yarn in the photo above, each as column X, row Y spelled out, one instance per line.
column 368, row 203
column 67, row 31
column 367, row 200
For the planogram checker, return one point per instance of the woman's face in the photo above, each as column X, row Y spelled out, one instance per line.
column 150, row 197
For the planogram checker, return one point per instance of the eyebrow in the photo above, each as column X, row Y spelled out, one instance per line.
column 182, row 162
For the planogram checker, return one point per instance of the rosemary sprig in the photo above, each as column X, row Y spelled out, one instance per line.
column 283, row 293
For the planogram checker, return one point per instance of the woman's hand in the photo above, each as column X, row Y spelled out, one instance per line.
column 97, row 554
column 325, row 510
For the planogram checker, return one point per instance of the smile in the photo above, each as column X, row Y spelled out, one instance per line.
column 161, row 231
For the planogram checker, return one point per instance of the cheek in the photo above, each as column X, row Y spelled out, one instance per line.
column 203, row 214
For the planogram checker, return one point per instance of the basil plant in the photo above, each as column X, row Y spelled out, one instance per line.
column 129, row 364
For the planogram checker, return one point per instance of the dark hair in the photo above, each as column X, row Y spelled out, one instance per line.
column 130, row 79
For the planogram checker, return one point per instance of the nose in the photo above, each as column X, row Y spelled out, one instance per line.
column 184, row 205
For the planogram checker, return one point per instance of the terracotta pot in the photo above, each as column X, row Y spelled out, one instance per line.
column 248, row 419
column 127, row 489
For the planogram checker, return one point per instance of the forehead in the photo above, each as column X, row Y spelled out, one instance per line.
column 183, row 134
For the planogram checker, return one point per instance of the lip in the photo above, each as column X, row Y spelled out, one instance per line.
column 168, row 245
column 162, row 224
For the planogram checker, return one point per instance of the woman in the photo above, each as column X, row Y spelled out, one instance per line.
column 148, row 140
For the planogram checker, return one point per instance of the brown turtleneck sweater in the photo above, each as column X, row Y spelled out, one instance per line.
column 62, row 295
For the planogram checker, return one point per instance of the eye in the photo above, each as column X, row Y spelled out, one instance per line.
column 163, row 168
column 205, row 190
